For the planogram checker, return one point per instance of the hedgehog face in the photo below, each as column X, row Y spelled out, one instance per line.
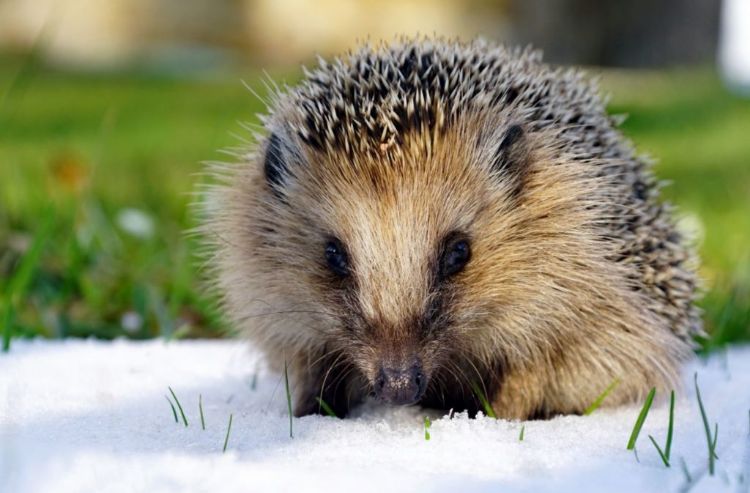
column 392, row 246
column 395, row 266
column 401, row 335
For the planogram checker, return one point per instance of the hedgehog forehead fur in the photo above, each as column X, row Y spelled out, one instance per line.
column 577, row 275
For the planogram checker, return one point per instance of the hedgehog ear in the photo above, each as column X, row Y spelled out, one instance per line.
column 280, row 157
column 275, row 165
column 512, row 154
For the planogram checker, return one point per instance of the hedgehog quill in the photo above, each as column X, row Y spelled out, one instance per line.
column 425, row 218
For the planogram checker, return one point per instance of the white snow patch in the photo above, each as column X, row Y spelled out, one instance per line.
column 88, row 416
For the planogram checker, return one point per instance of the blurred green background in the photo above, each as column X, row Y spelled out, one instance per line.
column 98, row 164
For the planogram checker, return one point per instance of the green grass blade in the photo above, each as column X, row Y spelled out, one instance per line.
column 598, row 401
column 664, row 458
column 641, row 419
column 8, row 315
column 288, row 399
column 325, row 407
column 427, row 425
column 226, row 438
column 483, row 400
column 670, row 429
column 20, row 280
column 200, row 408
column 520, row 435
column 713, row 443
column 710, row 441
column 179, row 406
column 174, row 411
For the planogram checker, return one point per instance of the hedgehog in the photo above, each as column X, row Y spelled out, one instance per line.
column 452, row 225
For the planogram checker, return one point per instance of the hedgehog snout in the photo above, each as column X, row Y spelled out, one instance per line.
column 400, row 385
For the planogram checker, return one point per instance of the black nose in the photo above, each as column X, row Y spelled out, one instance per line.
column 400, row 385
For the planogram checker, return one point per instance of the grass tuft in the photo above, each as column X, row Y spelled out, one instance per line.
column 483, row 400
column 326, row 408
column 200, row 408
column 664, row 454
column 226, row 438
column 598, row 401
column 641, row 419
column 664, row 458
column 19, row 282
column 288, row 399
column 520, row 435
column 179, row 406
column 710, row 440
column 174, row 411
column 427, row 425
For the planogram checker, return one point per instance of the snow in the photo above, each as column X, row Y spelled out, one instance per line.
column 90, row 416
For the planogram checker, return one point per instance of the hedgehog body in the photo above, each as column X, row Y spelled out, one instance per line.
column 429, row 221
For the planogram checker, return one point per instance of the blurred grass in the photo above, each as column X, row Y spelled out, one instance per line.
column 85, row 150
column 109, row 160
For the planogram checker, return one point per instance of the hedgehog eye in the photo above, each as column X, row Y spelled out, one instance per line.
column 336, row 258
column 455, row 257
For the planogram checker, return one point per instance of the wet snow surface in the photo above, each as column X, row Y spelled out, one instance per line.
column 80, row 416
